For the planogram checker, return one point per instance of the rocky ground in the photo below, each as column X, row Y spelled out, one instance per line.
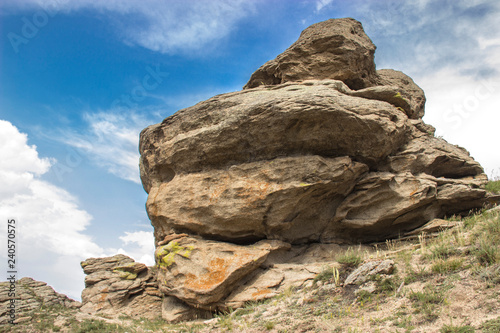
column 443, row 282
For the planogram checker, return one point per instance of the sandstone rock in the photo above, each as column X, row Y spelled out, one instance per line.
column 314, row 118
column 173, row 310
column 318, row 148
column 407, row 90
column 119, row 286
column 291, row 199
column 433, row 156
column 201, row 272
column 334, row 49
column 372, row 268
column 267, row 283
column 386, row 205
column 31, row 295
column 368, row 287
column 433, row 226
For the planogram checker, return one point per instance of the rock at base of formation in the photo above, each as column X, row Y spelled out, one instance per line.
column 30, row 295
column 118, row 285
column 318, row 149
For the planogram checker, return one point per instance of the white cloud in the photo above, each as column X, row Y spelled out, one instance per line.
column 50, row 224
column 167, row 27
column 320, row 4
column 141, row 246
column 51, row 239
column 465, row 112
column 111, row 140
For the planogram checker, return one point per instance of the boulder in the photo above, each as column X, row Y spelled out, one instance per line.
column 290, row 199
column 201, row 272
column 30, row 295
column 314, row 118
column 368, row 270
column 118, row 285
column 334, row 49
column 406, row 90
column 251, row 192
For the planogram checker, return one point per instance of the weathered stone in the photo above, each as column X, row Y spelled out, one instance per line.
column 407, row 90
column 201, row 272
column 173, row 310
column 433, row 226
column 120, row 286
column 433, row 156
column 318, row 147
column 30, row 295
column 372, row 268
column 262, row 124
column 290, row 198
column 267, row 283
column 385, row 205
column 334, row 49
column 368, row 287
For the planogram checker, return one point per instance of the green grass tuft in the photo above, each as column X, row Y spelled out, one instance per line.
column 493, row 186
column 457, row 329
column 351, row 258
column 491, row 326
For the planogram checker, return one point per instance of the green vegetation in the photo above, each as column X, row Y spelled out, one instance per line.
column 351, row 258
column 427, row 302
column 445, row 266
column 493, row 186
column 457, row 329
column 93, row 326
column 491, row 326
column 420, row 295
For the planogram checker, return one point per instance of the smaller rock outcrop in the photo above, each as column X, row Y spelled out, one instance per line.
column 120, row 286
column 30, row 295
column 334, row 49
column 368, row 270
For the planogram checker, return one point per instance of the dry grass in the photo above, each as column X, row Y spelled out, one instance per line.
column 447, row 283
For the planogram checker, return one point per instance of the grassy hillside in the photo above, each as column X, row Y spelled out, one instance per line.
column 449, row 282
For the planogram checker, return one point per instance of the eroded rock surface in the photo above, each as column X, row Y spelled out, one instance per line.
column 249, row 192
column 118, row 285
column 334, row 49
column 30, row 295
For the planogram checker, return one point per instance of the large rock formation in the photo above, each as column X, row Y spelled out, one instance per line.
column 29, row 295
column 319, row 148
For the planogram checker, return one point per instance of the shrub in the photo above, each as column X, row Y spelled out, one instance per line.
column 351, row 258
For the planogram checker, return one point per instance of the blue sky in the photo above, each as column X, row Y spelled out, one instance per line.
column 79, row 79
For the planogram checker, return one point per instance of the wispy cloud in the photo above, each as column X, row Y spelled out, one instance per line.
column 320, row 4
column 111, row 140
column 163, row 26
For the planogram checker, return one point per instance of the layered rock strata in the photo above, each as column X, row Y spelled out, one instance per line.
column 30, row 295
column 318, row 148
column 118, row 285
